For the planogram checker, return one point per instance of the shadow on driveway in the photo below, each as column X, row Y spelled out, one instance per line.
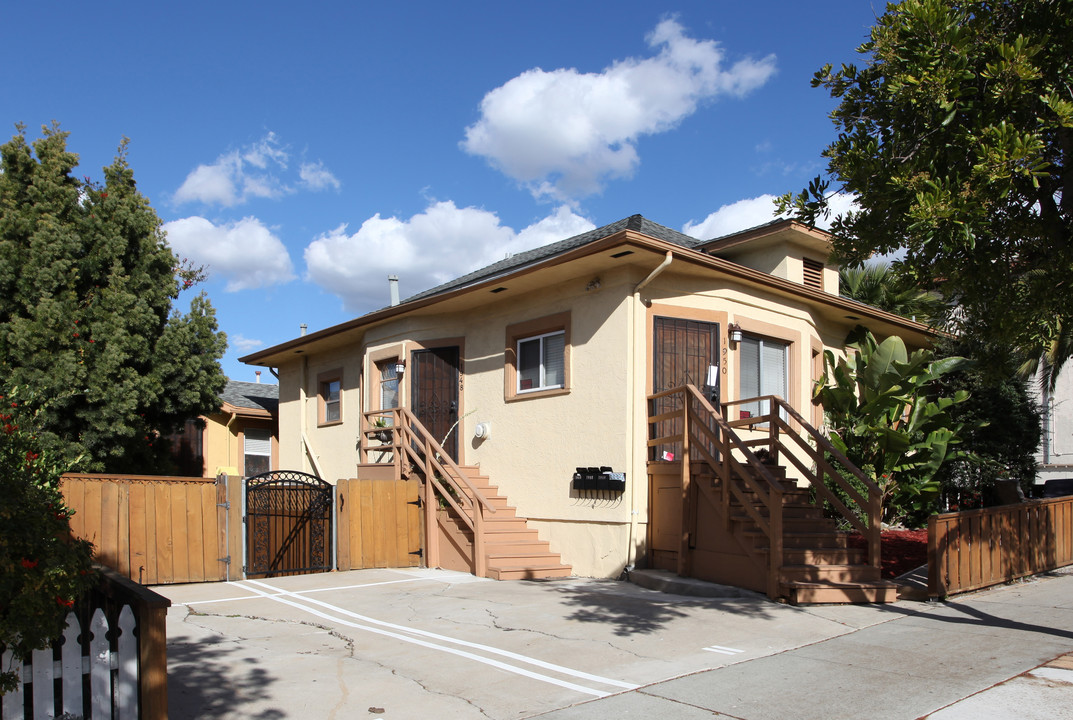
column 205, row 680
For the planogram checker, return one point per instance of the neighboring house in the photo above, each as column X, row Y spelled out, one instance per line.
column 545, row 361
column 1055, row 456
column 242, row 438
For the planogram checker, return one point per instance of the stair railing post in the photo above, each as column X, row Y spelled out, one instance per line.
column 776, row 541
column 773, row 430
column 432, row 530
column 726, row 478
column 684, row 560
column 875, row 526
column 480, row 558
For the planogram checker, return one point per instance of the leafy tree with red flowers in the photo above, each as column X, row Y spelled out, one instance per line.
column 88, row 287
column 43, row 570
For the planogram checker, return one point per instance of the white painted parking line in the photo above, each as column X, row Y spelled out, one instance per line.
column 312, row 590
column 723, row 650
column 405, row 634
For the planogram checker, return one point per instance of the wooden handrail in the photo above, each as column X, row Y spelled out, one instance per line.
column 407, row 435
column 694, row 435
column 868, row 518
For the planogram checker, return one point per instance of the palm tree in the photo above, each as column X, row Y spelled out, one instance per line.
column 1047, row 366
column 877, row 284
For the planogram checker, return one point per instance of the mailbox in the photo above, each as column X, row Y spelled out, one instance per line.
column 599, row 479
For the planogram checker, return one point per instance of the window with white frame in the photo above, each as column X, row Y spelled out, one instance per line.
column 257, row 451
column 330, row 398
column 541, row 362
column 389, row 383
column 762, row 371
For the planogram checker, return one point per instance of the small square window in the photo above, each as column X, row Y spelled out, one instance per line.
column 541, row 362
column 537, row 358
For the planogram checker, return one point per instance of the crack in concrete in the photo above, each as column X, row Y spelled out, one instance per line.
column 430, row 691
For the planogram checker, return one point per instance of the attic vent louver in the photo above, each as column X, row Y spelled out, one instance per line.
column 813, row 274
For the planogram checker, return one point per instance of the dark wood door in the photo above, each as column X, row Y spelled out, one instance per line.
column 684, row 351
column 434, row 384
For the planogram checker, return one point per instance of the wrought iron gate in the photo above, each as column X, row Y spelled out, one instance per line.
column 288, row 524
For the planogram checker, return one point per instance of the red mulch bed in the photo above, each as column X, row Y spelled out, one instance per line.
column 900, row 550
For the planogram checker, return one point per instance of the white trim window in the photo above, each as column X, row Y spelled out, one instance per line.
column 541, row 362
column 257, row 451
column 389, row 384
column 763, row 371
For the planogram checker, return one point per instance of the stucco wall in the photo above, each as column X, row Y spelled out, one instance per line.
column 536, row 442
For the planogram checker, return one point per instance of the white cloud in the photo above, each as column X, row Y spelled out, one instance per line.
column 245, row 252
column 244, row 344
column 259, row 170
column 317, row 177
column 563, row 133
column 750, row 212
column 430, row 248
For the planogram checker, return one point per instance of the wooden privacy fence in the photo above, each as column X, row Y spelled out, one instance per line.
column 978, row 548
column 155, row 530
column 379, row 522
column 111, row 661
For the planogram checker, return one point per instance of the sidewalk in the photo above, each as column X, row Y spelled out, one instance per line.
column 1000, row 653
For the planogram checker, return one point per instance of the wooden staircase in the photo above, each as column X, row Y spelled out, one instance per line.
column 463, row 510
column 513, row 550
column 744, row 523
column 817, row 566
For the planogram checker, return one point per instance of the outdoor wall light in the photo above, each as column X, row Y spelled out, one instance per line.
column 400, row 367
column 734, row 332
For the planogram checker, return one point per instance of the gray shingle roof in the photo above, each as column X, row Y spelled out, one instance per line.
column 517, row 261
column 252, row 396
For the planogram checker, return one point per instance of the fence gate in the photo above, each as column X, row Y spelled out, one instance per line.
column 288, row 524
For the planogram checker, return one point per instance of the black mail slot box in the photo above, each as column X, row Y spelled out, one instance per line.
column 599, row 478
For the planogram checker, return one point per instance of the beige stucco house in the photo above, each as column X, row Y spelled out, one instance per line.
column 545, row 360
column 240, row 439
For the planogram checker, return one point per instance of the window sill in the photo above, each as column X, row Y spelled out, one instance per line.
column 538, row 394
column 333, row 423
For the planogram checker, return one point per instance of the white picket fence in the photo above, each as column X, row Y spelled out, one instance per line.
column 112, row 695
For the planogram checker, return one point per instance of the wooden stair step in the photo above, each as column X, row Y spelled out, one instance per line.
column 800, row 539
column 796, row 524
column 821, row 556
column 829, row 572
column 536, row 572
column 789, row 510
column 507, row 546
column 522, row 559
column 881, row 591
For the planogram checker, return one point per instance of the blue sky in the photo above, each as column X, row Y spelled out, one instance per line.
column 305, row 151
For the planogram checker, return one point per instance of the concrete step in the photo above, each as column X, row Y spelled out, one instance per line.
column 809, row 593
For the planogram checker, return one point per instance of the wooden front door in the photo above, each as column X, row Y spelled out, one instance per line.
column 434, row 385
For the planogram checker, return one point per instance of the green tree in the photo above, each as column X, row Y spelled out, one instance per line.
column 1001, row 419
column 876, row 284
column 956, row 137
column 43, row 570
column 87, row 284
column 881, row 414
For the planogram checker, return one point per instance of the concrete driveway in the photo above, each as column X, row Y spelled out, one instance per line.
column 430, row 643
